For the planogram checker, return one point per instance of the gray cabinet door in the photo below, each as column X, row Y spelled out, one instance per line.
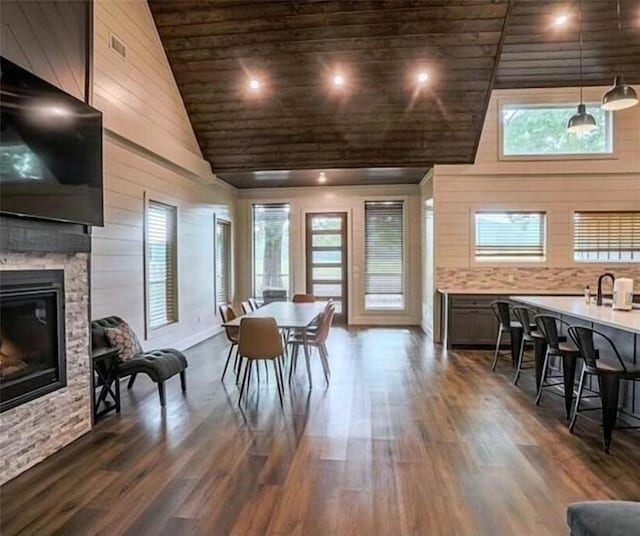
column 462, row 327
column 485, row 327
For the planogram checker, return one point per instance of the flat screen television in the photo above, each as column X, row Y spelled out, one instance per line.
column 50, row 151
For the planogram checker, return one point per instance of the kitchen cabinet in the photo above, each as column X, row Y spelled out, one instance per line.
column 471, row 322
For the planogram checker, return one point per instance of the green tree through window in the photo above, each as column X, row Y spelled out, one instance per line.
column 270, row 248
column 542, row 130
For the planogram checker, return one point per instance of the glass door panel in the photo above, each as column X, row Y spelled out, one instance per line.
column 327, row 259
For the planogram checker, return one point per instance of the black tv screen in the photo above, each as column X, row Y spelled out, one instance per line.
column 50, row 151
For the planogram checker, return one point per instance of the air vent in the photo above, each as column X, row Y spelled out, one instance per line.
column 117, row 46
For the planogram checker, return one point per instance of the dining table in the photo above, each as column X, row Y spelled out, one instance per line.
column 288, row 316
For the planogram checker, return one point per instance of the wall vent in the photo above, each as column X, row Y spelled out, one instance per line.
column 117, row 46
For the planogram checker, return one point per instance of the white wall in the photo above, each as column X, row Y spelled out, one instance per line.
column 558, row 187
column 349, row 199
column 428, row 252
column 150, row 150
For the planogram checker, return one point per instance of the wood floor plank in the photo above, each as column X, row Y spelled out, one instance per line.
column 408, row 439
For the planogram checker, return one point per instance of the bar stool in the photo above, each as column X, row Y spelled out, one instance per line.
column 557, row 346
column 501, row 309
column 609, row 370
column 525, row 317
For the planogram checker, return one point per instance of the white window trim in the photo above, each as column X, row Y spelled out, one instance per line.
column 231, row 289
column 544, row 102
column 159, row 198
column 497, row 263
column 404, row 310
column 292, row 221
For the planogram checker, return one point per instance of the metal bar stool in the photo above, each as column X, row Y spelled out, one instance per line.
column 557, row 346
column 501, row 309
column 530, row 335
column 609, row 370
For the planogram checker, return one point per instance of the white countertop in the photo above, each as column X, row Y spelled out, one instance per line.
column 576, row 307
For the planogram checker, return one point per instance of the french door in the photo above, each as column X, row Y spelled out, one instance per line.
column 327, row 259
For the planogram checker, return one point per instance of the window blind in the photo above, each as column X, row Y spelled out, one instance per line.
column 384, row 254
column 162, row 292
column 223, row 262
column 606, row 236
column 270, row 248
column 518, row 236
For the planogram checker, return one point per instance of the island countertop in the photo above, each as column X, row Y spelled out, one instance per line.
column 576, row 307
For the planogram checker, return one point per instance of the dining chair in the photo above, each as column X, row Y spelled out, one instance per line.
column 315, row 339
column 246, row 307
column 260, row 340
column 303, row 298
column 227, row 314
column 254, row 303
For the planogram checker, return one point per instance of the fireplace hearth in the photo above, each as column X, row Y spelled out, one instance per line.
column 32, row 335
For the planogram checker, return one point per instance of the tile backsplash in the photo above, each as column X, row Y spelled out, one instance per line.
column 511, row 279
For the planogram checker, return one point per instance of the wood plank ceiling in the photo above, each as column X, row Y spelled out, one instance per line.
column 536, row 53
column 380, row 118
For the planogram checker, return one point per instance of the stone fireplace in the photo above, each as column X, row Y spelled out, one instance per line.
column 32, row 336
column 58, row 409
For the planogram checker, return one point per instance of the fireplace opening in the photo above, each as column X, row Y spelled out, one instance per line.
column 32, row 341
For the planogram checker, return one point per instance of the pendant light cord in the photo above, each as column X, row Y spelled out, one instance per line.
column 580, row 35
column 618, row 38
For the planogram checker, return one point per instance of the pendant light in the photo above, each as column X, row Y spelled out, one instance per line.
column 620, row 96
column 581, row 122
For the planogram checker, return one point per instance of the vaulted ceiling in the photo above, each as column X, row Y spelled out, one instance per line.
column 380, row 117
column 536, row 53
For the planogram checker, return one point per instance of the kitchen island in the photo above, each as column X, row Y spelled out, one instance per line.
column 623, row 327
column 576, row 307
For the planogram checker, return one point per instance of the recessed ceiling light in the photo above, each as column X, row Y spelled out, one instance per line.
column 561, row 20
column 338, row 80
column 254, row 85
column 322, row 177
column 423, row 77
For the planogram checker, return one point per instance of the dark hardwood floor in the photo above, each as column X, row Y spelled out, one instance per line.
column 407, row 439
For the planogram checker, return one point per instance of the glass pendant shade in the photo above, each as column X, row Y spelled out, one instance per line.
column 581, row 122
column 619, row 97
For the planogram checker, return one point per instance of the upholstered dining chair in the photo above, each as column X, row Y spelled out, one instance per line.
column 315, row 339
column 246, row 307
column 260, row 340
column 253, row 303
column 227, row 314
column 303, row 298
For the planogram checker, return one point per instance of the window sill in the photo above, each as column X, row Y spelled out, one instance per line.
column 555, row 157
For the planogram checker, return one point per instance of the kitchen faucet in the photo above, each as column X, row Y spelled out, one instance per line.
column 599, row 296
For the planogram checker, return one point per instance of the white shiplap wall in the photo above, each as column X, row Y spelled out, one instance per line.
column 556, row 186
column 150, row 150
column 349, row 199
